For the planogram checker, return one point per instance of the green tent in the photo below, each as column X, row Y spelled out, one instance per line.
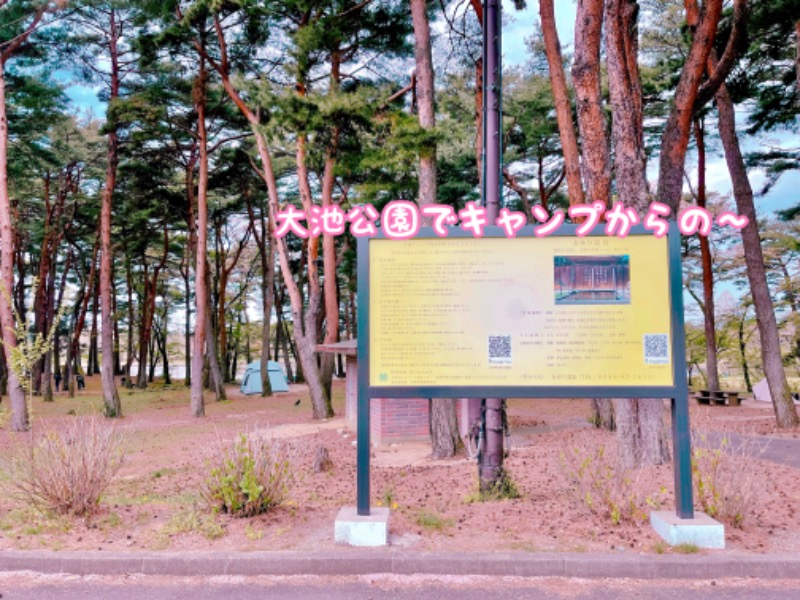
column 251, row 382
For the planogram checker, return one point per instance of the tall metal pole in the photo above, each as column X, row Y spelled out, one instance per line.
column 490, row 461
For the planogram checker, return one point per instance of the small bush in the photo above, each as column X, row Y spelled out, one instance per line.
column 249, row 476
column 607, row 488
column 66, row 470
column 726, row 476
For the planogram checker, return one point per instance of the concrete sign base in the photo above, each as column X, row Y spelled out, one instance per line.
column 357, row 530
column 702, row 531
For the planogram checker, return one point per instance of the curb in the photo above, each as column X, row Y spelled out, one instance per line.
column 359, row 562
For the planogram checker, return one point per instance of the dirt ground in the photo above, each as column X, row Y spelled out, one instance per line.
column 154, row 502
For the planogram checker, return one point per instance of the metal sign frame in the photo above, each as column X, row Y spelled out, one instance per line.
column 678, row 393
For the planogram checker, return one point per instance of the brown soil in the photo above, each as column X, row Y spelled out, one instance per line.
column 154, row 502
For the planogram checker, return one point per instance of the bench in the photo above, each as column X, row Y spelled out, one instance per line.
column 718, row 397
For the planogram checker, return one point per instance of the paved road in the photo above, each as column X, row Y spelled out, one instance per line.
column 31, row 586
column 778, row 450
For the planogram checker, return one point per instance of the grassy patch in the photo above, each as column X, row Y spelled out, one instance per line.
column 253, row 533
column 30, row 522
column 192, row 521
column 686, row 548
column 503, row 489
column 432, row 521
column 163, row 473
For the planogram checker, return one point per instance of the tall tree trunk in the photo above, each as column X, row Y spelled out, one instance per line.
column 266, row 252
column 117, row 359
column 129, row 352
column 797, row 59
column 595, row 165
column 625, row 89
column 19, row 409
column 164, row 349
column 217, row 383
column 558, row 84
column 113, row 408
column 149, row 310
column 201, row 285
column 187, row 348
column 50, row 325
column 785, row 411
column 329, row 262
column 322, row 406
column 639, row 422
column 743, row 351
column 92, row 366
column 709, row 319
column 73, row 348
column 588, row 93
column 479, row 119
column 443, row 422
column 675, row 138
column 144, row 330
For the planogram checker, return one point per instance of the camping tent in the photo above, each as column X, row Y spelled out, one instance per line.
column 251, row 382
column 761, row 391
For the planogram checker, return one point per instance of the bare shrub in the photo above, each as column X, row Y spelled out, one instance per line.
column 609, row 490
column 66, row 469
column 250, row 475
column 726, row 475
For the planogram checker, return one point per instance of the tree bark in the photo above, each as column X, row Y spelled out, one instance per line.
column 797, row 59
column 639, row 422
column 50, row 325
column 558, row 84
column 479, row 119
column 217, row 381
column 197, row 402
column 92, row 365
column 743, row 351
column 625, row 90
column 588, row 93
column 19, row 409
column 640, row 429
column 113, row 408
column 709, row 319
column 149, row 309
column 266, row 251
column 675, row 138
column 785, row 411
column 426, row 100
column 443, row 422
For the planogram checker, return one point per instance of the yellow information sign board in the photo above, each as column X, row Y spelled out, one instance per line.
column 556, row 311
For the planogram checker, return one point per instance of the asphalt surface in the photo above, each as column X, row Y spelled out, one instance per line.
column 27, row 586
column 781, row 451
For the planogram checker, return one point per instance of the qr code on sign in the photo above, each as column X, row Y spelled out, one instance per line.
column 500, row 349
column 656, row 348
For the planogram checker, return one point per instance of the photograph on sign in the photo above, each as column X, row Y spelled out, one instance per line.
column 558, row 311
column 592, row 279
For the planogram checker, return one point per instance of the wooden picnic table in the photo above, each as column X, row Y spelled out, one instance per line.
column 718, row 397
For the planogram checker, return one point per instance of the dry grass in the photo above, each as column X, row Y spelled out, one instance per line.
column 598, row 478
column 727, row 474
column 66, row 469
